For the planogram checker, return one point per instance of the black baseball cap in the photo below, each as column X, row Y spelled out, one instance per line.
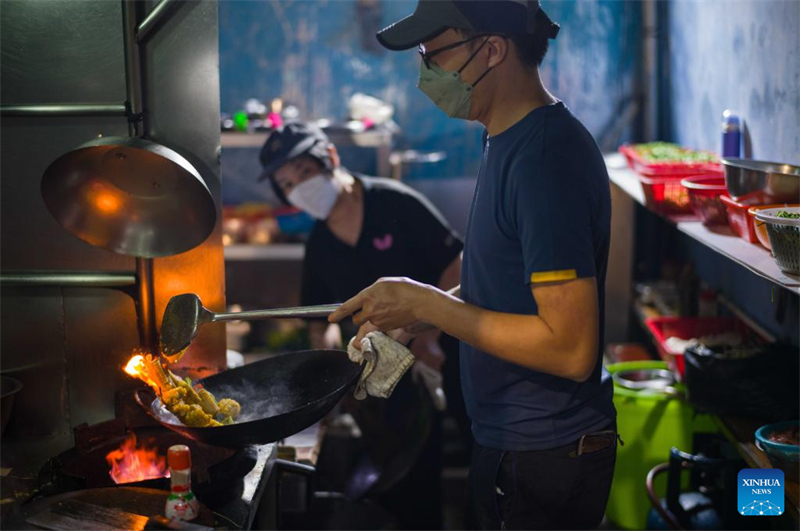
column 292, row 140
column 432, row 17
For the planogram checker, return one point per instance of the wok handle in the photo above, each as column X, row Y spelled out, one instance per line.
column 301, row 312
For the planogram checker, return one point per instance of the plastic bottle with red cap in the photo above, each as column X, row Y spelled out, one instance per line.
column 181, row 502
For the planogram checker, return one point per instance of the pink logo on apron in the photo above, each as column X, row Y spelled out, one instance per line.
column 383, row 244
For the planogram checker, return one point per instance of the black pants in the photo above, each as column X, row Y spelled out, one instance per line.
column 542, row 489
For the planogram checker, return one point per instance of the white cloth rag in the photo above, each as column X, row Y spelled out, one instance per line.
column 386, row 362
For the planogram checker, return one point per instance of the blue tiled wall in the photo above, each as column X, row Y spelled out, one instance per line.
column 317, row 53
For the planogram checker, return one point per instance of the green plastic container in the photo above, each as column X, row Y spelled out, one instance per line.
column 650, row 423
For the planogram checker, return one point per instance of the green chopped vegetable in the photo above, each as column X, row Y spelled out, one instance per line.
column 788, row 215
column 668, row 152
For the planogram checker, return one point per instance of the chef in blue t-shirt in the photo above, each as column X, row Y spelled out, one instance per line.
column 529, row 310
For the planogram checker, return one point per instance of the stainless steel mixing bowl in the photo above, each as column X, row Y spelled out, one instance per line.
column 767, row 182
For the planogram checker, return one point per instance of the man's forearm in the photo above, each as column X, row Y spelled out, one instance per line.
column 526, row 340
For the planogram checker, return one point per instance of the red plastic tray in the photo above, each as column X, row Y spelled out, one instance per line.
column 664, row 328
column 667, row 169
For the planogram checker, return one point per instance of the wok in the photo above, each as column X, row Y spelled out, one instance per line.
column 280, row 396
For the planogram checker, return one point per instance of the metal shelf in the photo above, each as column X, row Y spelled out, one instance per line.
column 379, row 139
column 720, row 239
column 739, row 431
column 243, row 140
column 341, row 137
column 273, row 251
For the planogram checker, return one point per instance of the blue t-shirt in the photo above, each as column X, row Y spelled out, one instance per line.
column 541, row 212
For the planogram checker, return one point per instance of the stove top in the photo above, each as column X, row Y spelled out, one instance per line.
column 229, row 482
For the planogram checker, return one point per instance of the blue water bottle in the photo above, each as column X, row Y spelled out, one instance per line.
column 731, row 134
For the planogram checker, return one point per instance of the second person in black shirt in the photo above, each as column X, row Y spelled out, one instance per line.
column 368, row 228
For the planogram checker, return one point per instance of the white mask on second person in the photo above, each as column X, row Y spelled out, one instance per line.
column 316, row 196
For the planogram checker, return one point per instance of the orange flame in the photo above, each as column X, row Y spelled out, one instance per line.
column 131, row 462
column 134, row 365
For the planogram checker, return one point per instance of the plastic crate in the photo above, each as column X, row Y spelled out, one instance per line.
column 704, row 196
column 664, row 328
column 667, row 169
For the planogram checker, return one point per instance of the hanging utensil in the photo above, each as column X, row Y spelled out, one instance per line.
column 185, row 314
column 131, row 196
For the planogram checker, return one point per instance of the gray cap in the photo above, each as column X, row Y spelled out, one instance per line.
column 432, row 17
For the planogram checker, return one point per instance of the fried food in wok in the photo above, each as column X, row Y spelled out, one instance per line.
column 193, row 405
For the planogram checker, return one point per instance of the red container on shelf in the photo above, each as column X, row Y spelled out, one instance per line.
column 664, row 328
column 661, row 181
column 666, row 195
column 739, row 221
column 651, row 168
column 704, row 196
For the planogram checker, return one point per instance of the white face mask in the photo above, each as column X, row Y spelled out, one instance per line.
column 316, row 195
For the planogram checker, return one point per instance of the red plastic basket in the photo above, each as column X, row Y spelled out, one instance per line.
column 738, row 219
column 666, row 195
column 704, row 196
column 664, row 328
column 666, row 169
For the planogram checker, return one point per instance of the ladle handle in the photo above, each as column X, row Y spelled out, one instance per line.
column 300, row 312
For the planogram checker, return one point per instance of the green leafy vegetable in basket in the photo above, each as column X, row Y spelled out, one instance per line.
column 668, row 152
column 785, row 241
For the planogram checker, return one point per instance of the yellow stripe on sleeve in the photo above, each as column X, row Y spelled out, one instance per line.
column 554, row 276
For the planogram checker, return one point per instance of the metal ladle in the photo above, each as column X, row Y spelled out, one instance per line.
column 185, row 314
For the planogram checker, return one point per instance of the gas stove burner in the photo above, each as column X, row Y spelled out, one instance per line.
column 216, row 471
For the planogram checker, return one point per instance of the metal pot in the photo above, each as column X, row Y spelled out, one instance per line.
column 653, row 379
column 768, row 182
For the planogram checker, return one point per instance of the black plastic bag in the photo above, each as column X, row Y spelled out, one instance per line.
column 757, row 381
